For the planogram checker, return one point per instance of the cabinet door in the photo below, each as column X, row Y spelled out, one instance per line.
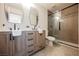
column 19, row 45
column 5, row 43
column 42, row 37
column 36, row 41
column 40, row 40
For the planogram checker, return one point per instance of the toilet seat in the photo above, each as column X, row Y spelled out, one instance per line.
column 50, row 40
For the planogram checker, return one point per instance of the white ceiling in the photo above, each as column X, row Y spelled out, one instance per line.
column 54, row 6
column 50, row 6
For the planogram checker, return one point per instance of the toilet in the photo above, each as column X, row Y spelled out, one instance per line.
column 50, row 40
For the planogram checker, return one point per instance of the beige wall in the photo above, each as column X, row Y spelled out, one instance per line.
column 3, row 19
column 43, row 17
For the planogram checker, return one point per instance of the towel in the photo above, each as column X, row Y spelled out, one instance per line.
column 16, row 32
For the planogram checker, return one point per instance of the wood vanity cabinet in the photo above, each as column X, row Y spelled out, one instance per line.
column 30, row 42
column 34, row 41
column 5, row 43
column 19, row 45
column 40, row 40
column 10, row 45
column 26, row 44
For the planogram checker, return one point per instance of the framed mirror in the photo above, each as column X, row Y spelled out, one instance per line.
column 33, row 16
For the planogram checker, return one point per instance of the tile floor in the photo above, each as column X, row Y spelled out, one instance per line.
column 58, row 50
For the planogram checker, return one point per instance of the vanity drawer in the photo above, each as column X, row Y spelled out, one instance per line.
column 30, row 36
column 30, row 39
column 30, row 49
column 30, row 52
column 30, row 45
column 30, row 42
column 30, row 33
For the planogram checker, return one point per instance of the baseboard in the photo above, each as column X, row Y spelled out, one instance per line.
column 69, row 43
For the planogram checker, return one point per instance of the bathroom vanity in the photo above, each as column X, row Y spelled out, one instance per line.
column 26, row 44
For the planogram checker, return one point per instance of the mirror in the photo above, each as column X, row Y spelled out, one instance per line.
column 33, row 16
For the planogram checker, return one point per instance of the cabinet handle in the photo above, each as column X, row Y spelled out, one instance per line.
column 40, row 34
column 30, row 39
column 30, row 51
column 40, row 46
column 30, row 33
column 30, row 45
column 10, row 36
column 59, row 26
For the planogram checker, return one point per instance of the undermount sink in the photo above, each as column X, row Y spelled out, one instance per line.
column 40, row 30
column 16, row 33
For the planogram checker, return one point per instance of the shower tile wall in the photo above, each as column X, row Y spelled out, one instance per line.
column 69, row 25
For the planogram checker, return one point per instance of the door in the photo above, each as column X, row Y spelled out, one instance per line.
column 19, row 45
column 5, row 43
